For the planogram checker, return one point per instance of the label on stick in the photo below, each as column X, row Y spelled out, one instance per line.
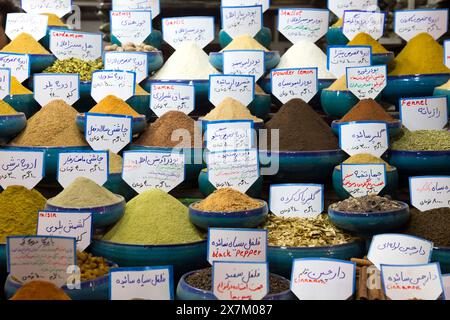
column 361, row 180
column 430, row 192
column 409, row 23
column 342, row 57
column 356, row 22
column 244, row 62
column 427, row 113
column 245, row 3
column 23, row 168
column 122, row 84
column 188, row 29
column 366, row 82
column 131, row 26
column 58, row 7
column 364, row 137
column 303, row 24
column 339, row 6
column 19, row 64
column 33, row 24
column 296, row 200
column 136, row 62
column 66, row 44
column 301, row 83
column 56, row 86
column 239, row 87
column 238, row 21
column 138, row 5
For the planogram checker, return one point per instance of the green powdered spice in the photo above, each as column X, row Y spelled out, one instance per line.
column 422, row 140
column 154, row 218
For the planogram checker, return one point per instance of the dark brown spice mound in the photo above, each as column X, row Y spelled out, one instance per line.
column 433, row 225
column 371, row 203
column 367, row 109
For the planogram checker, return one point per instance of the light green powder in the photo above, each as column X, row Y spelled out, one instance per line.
column 422, row 140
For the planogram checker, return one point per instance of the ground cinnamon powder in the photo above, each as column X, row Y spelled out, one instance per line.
column 227, row 200
column 367, row 109
column 40, row 290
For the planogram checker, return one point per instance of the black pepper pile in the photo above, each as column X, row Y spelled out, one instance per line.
column 371, row 203
column 433, row 225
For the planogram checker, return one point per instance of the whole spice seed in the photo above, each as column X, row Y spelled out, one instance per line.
column 17, row 88
column 422, row 140
column 6, row 109
column 227, row 200
column 40, row 290
column 230, row 109
column 91, row 267
column 362, row 158
column 113, row 105
column 367, row 204
column 367, row 109
column 433, row 225
column 25, row 43
column 74, row 65
column 142, row 47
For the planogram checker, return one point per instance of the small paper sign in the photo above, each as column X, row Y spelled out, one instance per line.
column 303, row 24
column 137, row 5
column 146, row 283
column 33, row 24
column 5, row 83
column 108, row 132
column 238, row 21
column 447, row 53
column 296, row 200
column 245, row 3
column 446, row 282
column 41, row 258
column 430, row 192
column 144, row 170
column 229, row 135
column 361, row 180
column 128, row 61
column 19, row 64
column 244, row 62
column 119, row 83
column 131, row 26
column 426, row 113
column 53, row 86
column 89, row 164
column 188, row 29
column 76, row 225
column 407, row 282
column 301, row 83
column 58, row 7
column 165, row 97
column 233, row 169
column 71, row 44
column 23, row 168
column 342, row 57
column 364, row 137
column 339, row 6
column 399, row 249
column 409, row 23
column 355, row 22
column 323, row 279
column 240, row 280
column 366, row 82
column 239, row 87
column 237, row 245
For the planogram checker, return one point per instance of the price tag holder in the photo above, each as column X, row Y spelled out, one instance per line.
column 229, row 135
column 409, row 23
column 19, row 64
column 429, row 192
column 106, row 82
column 339, row 6
column 5, row 82
column 298, row 24
column 136, row 62
column 52, row 86
column 446, row 282
column 76, row 225
column 58, row 7
column 406, row 282
column 238, row 21
column 143, row 170
column 188, row 29
column 339, row 58
column 131, row 26
column 426, row 113
column 296, row 200
column 240, row 280
column 166, row 96
column 361, row 180
column 245, row 3
column 138, row 5
column 364, row 137
column 239, row 87
column 447, row 53
column 323, row 279
column 145, row 283
column 244, row 62
column 93, row 165
column 72, row 44
column 301, row 83
column 370, row 22
column 23, row 168
column 237, row 245
column 366, row 82
column 33, row 24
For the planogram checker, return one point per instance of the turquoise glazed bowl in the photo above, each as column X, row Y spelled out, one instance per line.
column 441, row 92
column 271, row 60
column 138, row 124
column 3, row 259
column 236, row 219
column 442, row 255
column 394, row 127
column 264, row 37
column 201, row 87
column 154, row 39
column 335, row 37
column 154, row 60
column 86, row 102
column 382, row 58
column 187, row 292
column 11, row 125
column 141, row 104
column 23, row 103
column 117, row 185
column 45, row 41
column 412, row 163
column 38, row 62
column 260, row 106
column 337, row 103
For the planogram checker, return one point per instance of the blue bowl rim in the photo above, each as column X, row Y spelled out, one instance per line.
column 332, row 247
column 392, row 125
column 19, row 115
column 150, row 246
column 405, row 207
column 11, row 96
column 411, row 76
column 271, row 52
column 335, row 92
column 392, row 171
column 304, row 153
column 122, row 202
column 411, row 153
column 264, row 209
column 68, row 148
column 390, row 53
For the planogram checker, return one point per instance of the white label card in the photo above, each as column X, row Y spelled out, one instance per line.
column 409, row 23
column 131, row 26
column 366, row 82
column 229, row 135
column 52, row 86
column 361, row 180
column 136, row 62
column 71, row 44
column 239, row 87
column 426, row 113
column 447, row 53
column 246, row 3
column 58, row 7
column 446, row 282
column 323, row 279
column 303, row 24
column 296, row 200
column 138, row 5
column 33, row 24
column 339, row 6
column 5, row 83
column 165, row 97
column 23, row 168
column 430, row 192
column 356, row 22
column 119, row 83
column 19, row 64
column 364, row 137
column 238, row 21
column 240, row 280
column 295, row 83
column 237, row 245
column 76, row 225
column 244, row 62
column 188, row 29
column 342, row 57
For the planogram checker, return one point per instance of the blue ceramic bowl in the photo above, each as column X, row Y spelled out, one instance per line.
column 264, row 37
column 201, row 87
column 382, row 58
column 335, row 37
column 45, row 41
column 394, row 127
column 141, row 104
column 271, row 59
column 38, row 62
column 337, row 103
column 23, row 103
column 188, row 292
column 11, row 125
column 117, row 185
column 441, row 92
column 412, row 163
column 138, row 124
column 260, row 106
column 154, row 39
column 3, row 259
column 154, row 60
column 442, row 255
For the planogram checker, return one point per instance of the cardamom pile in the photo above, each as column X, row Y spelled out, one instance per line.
column 131, row 47
column 74, row 65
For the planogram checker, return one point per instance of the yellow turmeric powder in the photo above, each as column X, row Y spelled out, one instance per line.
column 54, row 20
column 25, row 43
column 338, row 24
column 113, row 105
column 18, row 88
column 140, row 91
column 364, row 39
column 40, row 290
column 6, row 109
column 339, row 85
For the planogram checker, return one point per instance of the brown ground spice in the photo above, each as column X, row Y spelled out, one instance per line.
column 227, row 200
column 433, row 225
column 40, row 290
column 367, row 109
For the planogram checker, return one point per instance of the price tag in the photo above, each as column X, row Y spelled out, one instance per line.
column 240, row 280
column 23, row 168
column 19, row 64
column 303, row 24
column 108, row 132
column 119, row 83
column 339, row 6
column 407, row 282
column 166, row 96
column 245, row 3
column 323, row 279
column 355, row 22
column 5, row 83
column 131, row 26
column 239, row 87
column 188, row 29
column 76, row 225
column 409, row 23
column 363, row 179
column 399, row 249
column 137, row 5
column 294, row 83
column 58, row 7
column 41, row 258
column 426, row 113
column 447, row 53
column 89, row 164
column 237, row 245
column 229, row 135
column 244, row 62
column 429, row 192
column 446, row 282
column 147, row 283
column 127, row 61
column 296, row 200
column 339, row 58
column 71, row 44
column 366, row 82
column 53, row 86
column 33, row 24
column 144, row 170
column 238, row 21
column 364, row 137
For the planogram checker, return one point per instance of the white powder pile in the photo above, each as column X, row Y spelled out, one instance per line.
column 305, row 54
column 188, row 62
